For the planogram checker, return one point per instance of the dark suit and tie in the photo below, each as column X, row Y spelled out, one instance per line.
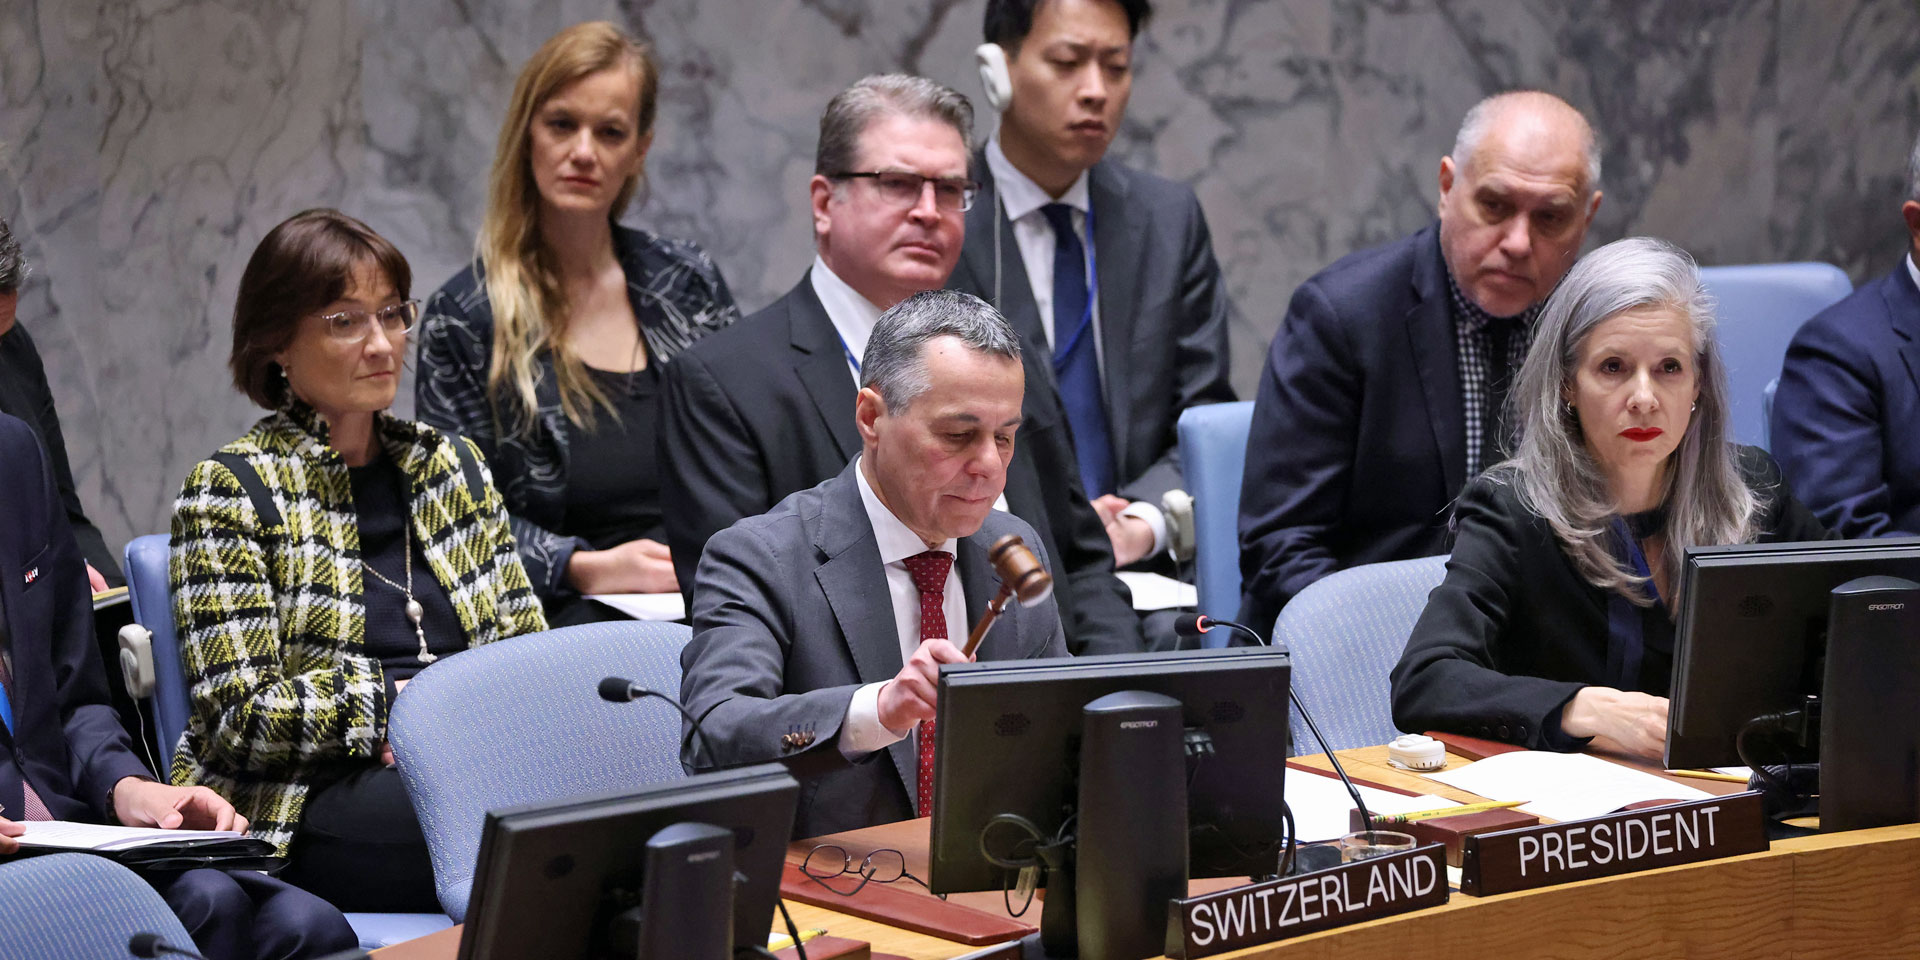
column 765, row 408
column 1846, row 419
column 792, row 617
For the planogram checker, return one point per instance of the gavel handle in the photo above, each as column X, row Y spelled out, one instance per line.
column 986, row 620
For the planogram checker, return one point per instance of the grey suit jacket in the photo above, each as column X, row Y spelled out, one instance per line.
column 791, row 616
column 1163, row 310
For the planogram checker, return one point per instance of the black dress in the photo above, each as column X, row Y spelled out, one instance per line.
column 613, row 471
column 1514, row 631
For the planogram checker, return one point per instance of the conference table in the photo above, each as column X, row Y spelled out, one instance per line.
column 1841, row 895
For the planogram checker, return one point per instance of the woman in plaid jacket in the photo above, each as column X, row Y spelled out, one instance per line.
column 323, row 559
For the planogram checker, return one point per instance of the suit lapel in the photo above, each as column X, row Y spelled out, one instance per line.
column 1119, row 240
column 1430, row 342
column 1015, row 287
column 10, row 604
column 1903, row 312
column 820, row 361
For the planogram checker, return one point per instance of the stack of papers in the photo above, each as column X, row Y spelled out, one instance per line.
column 1151, row 591
column 67, row 835
column 645, row 606
column 1322, row 807
column 1563, row 786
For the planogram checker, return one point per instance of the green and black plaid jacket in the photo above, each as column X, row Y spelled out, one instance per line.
column 272, row 627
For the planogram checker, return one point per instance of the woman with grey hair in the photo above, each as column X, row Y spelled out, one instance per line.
column 1554, row 626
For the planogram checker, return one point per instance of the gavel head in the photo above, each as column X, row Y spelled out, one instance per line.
column 1020, row 570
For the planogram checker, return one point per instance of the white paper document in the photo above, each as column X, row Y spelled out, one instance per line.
column 1322, row 808
column 1151, row 591
column 645, row 606
column 1563, row 786
column 67, row 835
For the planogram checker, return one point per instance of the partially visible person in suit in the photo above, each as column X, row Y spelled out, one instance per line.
column 548, row 350
column 1554, row 625
column 764, row 409
column 1106, row 270
column 24, row 393
column 325, row 558
column 1383, row 389
column 819, row 627
column 1846, row 419
column 65, row 755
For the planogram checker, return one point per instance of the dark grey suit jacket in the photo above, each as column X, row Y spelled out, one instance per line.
column 793, row 615
column 1163, row 310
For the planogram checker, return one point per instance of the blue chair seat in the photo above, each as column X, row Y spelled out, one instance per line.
column 76, row 906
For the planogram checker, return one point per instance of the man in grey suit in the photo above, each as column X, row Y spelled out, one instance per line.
column 1107, row 271
column 819, row 627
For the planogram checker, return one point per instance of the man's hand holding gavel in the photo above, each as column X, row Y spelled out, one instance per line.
column 908, row 698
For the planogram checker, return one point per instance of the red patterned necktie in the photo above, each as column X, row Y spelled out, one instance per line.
column 35, row 809
column 929, row 571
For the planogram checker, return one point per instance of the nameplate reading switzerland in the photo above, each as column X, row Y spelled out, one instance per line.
column 1277, row 909
column 1664, row 836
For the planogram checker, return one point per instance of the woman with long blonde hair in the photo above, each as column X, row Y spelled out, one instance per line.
column 546, row 350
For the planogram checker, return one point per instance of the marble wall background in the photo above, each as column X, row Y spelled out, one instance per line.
column 146, row 146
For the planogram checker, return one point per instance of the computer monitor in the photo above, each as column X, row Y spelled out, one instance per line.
column 550, row 875
column 1751, row 637
column 1007, row 740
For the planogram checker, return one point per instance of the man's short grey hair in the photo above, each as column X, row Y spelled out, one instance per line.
column 882, row 95
column 1913, row 173
column 895, row 365
column 1473, row 129
column 13, row 263
column 1708, row 502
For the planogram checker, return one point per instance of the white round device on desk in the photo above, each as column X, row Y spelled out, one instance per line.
column 1415, row 752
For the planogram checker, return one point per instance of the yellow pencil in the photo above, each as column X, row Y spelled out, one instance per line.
column 1450, row 811
column 1709, row 775
column 783, row 941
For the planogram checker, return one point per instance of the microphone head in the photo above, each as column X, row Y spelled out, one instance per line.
column 616, row 690
column 144, row 945
column 1019, row 568
column 1192, row 625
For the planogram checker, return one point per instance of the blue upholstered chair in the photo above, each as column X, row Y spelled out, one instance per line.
column 1761, row 306
column 1766, row 407
column 76, row 906
column 521, row 721
column 1345, row 632
column 1213, row 455
column 152, row 596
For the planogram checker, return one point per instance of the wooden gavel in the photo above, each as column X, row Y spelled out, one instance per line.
column 1020, row 574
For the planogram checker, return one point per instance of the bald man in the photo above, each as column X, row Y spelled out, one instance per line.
column 1383, row 391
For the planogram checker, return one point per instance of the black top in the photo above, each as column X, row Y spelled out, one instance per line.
column 380, row 505
column 24, row 393
column 1514, row 631
column 613, row 475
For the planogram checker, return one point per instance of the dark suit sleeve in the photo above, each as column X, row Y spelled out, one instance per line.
column 710, row 470
column 101, row 753
column 93, row 545
column 450, row 393
column 1202, row 371
column 1827, row 425
column 1300, row 453
column 734, row 669
column 1450, row 678
column 1783, row 518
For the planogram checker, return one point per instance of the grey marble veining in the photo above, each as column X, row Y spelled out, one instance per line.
column 145, row 147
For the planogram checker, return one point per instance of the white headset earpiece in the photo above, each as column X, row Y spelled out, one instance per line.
column 994, row 75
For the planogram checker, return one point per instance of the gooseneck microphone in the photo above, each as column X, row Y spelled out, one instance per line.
column 1196, row 625
column 622, row 690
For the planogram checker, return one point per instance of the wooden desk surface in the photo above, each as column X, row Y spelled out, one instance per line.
column 1828, row 896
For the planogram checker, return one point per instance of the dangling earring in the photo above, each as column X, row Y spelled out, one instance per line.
column 1695, row 406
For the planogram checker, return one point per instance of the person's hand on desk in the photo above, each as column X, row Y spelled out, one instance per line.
column 1132, row 537
column 637, row 566
column 908, row 698
column 1632, row 723
column 8, row 831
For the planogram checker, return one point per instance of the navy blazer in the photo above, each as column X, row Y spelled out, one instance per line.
column 1163, row 311
column 1846, row 419
column 1358, row 444
column 66, row 736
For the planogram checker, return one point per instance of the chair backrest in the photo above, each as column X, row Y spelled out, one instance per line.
column 1345, row 632
column 151, row 593
column 1213, row 455
column 77, row 906
column 1761, row 306
column 521, row 721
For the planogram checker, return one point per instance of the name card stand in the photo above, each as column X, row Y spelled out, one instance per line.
column 1277, row 909
column 1618, row 843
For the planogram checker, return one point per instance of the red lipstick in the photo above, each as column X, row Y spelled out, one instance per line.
column 1641, row 434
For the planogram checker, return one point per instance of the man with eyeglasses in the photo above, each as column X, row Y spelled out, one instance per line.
column 765, row 408
column 1106, row 271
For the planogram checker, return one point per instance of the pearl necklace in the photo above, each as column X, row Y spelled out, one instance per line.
column 414, row 610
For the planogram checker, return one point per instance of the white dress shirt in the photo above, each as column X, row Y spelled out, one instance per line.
column 863, row 733
column 1021, row 199
column 1912, row 269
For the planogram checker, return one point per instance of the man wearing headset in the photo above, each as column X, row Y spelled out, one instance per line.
column 1106, row 270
